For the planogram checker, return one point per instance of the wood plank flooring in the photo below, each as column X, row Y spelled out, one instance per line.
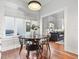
column 57, row 52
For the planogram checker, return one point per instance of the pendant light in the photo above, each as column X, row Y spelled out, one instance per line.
column 34, row 5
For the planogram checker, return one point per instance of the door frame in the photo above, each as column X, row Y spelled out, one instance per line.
column 65, row 21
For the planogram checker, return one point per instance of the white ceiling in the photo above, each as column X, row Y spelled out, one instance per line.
column 36, row 14
column 22, row 6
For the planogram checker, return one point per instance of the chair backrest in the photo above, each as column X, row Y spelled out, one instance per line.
column 54, row 36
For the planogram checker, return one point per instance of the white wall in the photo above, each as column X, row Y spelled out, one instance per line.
column 15, row 8
column 1, row 22
column 20, row 25
column 71, row 31
column 1, row 18
column 11, row 9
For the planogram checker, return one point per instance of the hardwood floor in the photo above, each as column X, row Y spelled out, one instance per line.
column 57, row 52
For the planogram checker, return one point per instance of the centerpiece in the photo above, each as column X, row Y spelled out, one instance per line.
column 34, row 28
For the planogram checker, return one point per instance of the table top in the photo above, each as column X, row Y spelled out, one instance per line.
column 33, row 38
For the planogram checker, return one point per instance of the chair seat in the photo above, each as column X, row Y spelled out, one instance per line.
column 32, row 47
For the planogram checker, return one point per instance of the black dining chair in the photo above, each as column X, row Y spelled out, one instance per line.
column 45, row 42
column 33, row 45
column 48, row 47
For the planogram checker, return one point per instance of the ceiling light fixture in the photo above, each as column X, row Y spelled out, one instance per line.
column 34, row 5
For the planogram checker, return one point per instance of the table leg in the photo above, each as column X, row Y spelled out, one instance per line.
column 27, row 54
column 21, row 48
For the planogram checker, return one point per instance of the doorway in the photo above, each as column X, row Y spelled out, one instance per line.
column 54, row 23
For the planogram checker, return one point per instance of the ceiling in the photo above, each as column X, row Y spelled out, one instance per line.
column 36, row 14
column 22, row 6
column 59, row 14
